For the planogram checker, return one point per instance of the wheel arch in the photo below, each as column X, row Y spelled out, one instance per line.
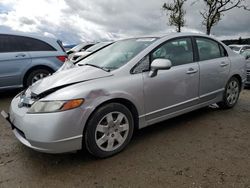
column 127, row 103
column 35, row 68
column 238, row 77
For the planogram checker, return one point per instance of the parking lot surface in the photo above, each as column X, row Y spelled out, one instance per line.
column 206, row 148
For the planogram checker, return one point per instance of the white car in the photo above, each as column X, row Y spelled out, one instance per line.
column 239, row 49
column 92, row 49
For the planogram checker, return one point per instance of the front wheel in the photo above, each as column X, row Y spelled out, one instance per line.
column 109, row 130
column 36, row 75
column 231, row 94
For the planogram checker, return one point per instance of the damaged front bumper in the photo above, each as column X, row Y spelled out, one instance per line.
column 50, row 132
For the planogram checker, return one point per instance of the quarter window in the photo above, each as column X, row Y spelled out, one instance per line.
column 142, row 66
column 208, row 49
column 178, row 51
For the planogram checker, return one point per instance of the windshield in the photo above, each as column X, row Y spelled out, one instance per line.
column 118, row 54
column 235, row 48
column 97, row 46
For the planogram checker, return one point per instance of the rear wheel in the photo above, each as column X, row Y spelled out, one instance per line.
column 231, row 94
column 109, row 130
column 36, row 75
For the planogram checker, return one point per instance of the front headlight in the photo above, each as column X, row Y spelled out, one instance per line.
column 55, row 106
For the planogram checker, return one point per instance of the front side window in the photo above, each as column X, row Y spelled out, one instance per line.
column 208, row 49
column 178, row 51
column 118, row 53
column 9, row 43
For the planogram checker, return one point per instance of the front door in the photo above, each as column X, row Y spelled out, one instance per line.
column 175, row 89
column 12, row 61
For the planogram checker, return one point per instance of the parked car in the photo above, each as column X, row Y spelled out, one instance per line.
column 130, row 84
column 25, row 58
column 80, row 47
column 239, row 49
column 68, row 46
column 92, row 49
column 70, row 63
column 246, row 54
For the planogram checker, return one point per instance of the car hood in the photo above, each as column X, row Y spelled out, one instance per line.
column 68, row 77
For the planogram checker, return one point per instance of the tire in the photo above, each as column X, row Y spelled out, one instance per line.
column 231, row 94
column 36, row 75
column 103, row 139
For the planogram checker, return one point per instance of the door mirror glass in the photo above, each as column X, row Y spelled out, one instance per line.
column 159, row 64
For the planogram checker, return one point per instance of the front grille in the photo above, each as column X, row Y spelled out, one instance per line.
column 248, row 75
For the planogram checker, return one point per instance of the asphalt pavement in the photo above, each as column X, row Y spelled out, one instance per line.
column 207, row 148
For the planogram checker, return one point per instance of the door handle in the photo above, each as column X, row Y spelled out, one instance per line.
column 20, row 55
column 192, row 71
column 223, row 64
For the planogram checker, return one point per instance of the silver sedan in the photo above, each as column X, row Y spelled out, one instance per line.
column 129, row 85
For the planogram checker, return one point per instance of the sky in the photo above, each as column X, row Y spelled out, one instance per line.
column 74, row 21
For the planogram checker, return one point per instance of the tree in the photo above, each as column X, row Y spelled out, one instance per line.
column 215, row 9
column 176, row 13
column 240, row 41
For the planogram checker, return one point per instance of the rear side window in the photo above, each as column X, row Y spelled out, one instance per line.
column 31, row 44
column 223, row 51
column 178, row 51
column 208, row 49
column 11, row 43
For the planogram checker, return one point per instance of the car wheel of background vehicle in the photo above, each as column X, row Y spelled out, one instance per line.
column 36, row 75
column 231, row 94
column 109, row 130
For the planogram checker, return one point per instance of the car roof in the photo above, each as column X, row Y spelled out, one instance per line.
column 41, row 37
column 239, row 45
column 171, row 35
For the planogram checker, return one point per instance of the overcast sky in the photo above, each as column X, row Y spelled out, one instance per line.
column 73, row 21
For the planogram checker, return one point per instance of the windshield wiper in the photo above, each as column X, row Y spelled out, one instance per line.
column 96, row 66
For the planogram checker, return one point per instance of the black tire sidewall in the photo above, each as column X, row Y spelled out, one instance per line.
column 225, row 103
column 31, row 75
column 89, row 135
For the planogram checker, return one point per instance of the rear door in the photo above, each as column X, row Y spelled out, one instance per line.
column 214, row 68
column 13, row 59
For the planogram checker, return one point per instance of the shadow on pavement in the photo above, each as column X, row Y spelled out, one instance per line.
column 9, row 93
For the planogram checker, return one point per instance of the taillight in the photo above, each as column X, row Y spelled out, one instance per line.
column 62, row 58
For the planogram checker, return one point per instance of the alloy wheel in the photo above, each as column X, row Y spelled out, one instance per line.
column 38, row 77
column 232, row 92
column 112, row 131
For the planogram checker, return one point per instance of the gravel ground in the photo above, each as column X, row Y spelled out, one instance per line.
column 206, row 148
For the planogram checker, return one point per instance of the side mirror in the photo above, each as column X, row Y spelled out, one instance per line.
column 159, row 64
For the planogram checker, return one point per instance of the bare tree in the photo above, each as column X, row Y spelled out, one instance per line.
column 215, row 9
column 176, row 13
